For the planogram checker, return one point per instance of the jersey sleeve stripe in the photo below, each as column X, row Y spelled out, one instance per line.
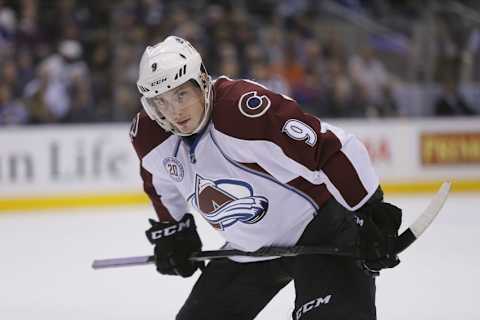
column 319, row 193
column 255, row 166
column 344, row 177
column 160, row 209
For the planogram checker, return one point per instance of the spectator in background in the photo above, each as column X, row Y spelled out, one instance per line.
column 123, row 75
column 333, row 47
column 126, row 102
column 59, row 75
column 341, row 100
column 8, row 24
column 451, row 102
column 309, row 93
column 273, row 41
column 9, row 75
column 25, row 68
column 291, row 69
column 228, row 60
column 370, row 76
column 81, row 104
column 230, row 68
column 448, row 46
column 102, row 80
column 35, row 100
column 263, row 75
column 471, row 57
column 11, row 111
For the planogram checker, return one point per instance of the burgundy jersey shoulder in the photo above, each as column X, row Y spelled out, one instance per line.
column 247, row 110
column 146, row 134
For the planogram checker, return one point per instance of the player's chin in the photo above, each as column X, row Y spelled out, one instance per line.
column 185, row 129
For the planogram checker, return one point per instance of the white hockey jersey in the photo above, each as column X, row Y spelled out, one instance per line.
column 259, row 172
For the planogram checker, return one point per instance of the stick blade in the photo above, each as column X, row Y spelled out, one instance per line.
column 425, row 219
column 431, row 212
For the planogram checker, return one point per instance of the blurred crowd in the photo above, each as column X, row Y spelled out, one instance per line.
column 75, row 61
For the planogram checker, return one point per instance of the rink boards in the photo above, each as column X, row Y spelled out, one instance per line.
column 92, row 165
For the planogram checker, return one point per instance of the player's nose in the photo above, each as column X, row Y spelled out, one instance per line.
column 180, row 110
column 177, row 108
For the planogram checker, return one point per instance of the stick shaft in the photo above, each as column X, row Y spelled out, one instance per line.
column 219, row 254
column 122, row 262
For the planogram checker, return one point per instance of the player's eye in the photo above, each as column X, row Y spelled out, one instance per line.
column 159, row 103
column 181, row 95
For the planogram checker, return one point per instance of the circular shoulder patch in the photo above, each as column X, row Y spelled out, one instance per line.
column 252, row 105
column 174, row 168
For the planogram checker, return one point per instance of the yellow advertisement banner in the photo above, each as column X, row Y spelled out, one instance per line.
column 454, row 148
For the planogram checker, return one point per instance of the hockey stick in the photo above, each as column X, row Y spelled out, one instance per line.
column 218, row 254
column 413, row 232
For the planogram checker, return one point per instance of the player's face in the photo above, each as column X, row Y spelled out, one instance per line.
column 182, row 106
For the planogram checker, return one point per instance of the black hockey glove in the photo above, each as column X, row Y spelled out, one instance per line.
column 379, row 223
column 174, row 243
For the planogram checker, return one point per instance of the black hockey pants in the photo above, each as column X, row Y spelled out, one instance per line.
column 326, row 287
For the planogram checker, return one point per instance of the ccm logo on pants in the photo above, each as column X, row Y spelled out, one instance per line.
column 312, row 305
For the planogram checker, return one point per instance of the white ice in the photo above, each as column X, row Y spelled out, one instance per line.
column 45, row 268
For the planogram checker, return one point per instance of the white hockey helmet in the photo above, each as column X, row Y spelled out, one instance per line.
column 166, row 66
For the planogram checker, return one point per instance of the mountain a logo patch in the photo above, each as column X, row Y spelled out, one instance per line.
column 226, row 202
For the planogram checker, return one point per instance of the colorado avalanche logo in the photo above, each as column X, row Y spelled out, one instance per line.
column 252, row 105
column 226, row 202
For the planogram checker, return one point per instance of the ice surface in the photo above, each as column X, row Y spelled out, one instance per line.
column 45, row 268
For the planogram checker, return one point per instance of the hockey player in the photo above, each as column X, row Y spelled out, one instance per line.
column 262, row 173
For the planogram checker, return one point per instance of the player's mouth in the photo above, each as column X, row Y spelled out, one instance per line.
column 183, row 122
